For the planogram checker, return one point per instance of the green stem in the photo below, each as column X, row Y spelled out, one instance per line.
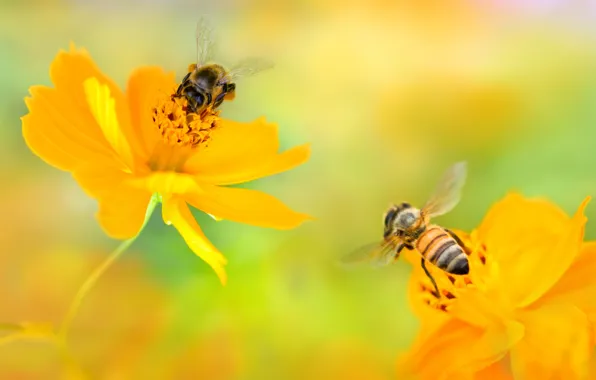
column 92, row 279
column 10, row 327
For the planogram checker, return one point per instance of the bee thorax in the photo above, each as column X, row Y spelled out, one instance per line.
column 406, row 217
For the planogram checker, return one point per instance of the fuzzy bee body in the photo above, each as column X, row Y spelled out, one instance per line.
column 207, row 84
column 206, row 87
column 436, row 244
column 438, row 247
column 406, row 226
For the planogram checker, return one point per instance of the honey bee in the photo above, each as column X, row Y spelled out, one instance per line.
column 408, row 227
column 208, row 84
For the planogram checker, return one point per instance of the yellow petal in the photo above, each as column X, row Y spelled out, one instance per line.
column 145, row 85
column 514, row 214
column 167, row 183
column 533, row 241
column 242, row 152
column 453, row 349
column 176, row 212
column 245, row 206
column 60, row 133
column 578, row 284
column 26, row 330
column 481, row 309
column 497, row 371
column 557, row 344
column 554, row 262
column 103, row 108
column 122, row 205
column 68, row 72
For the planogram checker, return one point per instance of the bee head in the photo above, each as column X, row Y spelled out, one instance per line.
column 388, row 219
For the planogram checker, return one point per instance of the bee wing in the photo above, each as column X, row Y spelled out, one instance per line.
column 375, row 254
column 248, row 67
column 448, row 192
column 205, row 42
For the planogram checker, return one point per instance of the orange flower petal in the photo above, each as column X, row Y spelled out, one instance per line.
column 145, row 85
column 522, row 235
column 457, row 348
column 121, row 214
column 479, row 308
column 167, row 183
column 557, row 344
column 68, row 72
column 242, row 152
column 515, row 213
column 578, row 284
column 554, row 262
column 103, row 109
column 175, row 211
column 122, row 206
column 26, row 331
column 496, row 371
column 60, row 133
column 245, row 206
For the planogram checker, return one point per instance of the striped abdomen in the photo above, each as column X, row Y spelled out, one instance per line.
column 438, row 247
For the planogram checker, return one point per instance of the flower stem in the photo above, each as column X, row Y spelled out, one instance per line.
column 92, row 279
column 10, row 327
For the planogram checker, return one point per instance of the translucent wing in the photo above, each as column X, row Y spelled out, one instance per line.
column 249, row 66
column 204, row 36
column 375, row 254
column 448, row 192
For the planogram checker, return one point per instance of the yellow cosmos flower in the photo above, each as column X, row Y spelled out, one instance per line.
column 525, row 311
column 122, row 147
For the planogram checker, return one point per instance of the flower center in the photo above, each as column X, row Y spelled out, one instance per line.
column 182, row 132
column 181, row 128
column 449, row 285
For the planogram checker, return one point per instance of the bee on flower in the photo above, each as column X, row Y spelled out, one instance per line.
column 526, row 310
column 406, row 226
column 159, row 137
column 208, row 84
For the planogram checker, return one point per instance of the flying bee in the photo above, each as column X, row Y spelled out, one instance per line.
column 208, row 84
column 408, row 227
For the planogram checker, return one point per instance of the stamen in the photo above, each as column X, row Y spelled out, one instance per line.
column 182, row 132
column 447, row 294
column 482, row 254
column 180, row 128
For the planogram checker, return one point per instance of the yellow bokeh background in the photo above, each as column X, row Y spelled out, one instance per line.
column 389, row 93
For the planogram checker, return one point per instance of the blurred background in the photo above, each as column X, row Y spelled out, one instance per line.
column 389, row 93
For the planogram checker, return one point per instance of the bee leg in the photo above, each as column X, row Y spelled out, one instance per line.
column 398, row 251
column 401, row 247
column 423, row 264
column 181, row 87
column 458, row 241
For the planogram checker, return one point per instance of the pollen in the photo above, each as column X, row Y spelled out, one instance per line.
column 181, row 128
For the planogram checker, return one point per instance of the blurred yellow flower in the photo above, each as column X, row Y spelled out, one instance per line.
column 42, row 292
column 124, row 147
column 525, row 311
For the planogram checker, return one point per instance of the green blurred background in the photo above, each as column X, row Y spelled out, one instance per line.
column 389, row 93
